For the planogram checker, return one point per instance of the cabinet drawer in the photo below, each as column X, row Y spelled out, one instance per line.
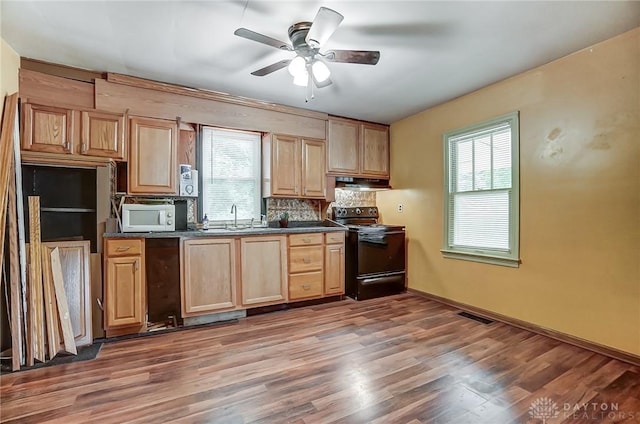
column 124, row 247
column 305, row 239
column 303, row 259
column 305, row 285
column 332, row 238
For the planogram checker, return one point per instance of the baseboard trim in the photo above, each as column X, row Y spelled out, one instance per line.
column 557, row 335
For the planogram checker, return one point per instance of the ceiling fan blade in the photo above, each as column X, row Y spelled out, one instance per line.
column 364, row 57
column 271, row 68
column 254, row 36
column 324, row 24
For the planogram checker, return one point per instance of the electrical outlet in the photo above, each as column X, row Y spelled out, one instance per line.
column 400, row 208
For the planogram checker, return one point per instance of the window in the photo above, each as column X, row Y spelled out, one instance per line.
column 481, row 193
column 230, row 164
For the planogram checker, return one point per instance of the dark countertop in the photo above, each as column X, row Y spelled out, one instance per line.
column 295, row 227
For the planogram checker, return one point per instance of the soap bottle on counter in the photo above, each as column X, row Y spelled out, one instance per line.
column 205, row 222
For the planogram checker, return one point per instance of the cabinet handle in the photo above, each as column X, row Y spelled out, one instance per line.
column 306, row 286
column 66, row 145
column 306, row 240
column 122, row 248
column 306, row 260
column 136, row 265
column 84, row 147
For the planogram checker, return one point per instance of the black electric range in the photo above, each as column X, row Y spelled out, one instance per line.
column 375, row 254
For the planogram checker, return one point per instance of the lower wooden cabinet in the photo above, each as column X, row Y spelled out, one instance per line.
column 208, row 277
column 305, row 265
column 224, row 274
column 124, row 286
column 263, row 277
column 334, row 264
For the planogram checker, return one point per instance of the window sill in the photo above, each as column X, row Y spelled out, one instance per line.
column 477, row 257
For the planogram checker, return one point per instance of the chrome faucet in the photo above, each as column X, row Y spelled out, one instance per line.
column 234, row 211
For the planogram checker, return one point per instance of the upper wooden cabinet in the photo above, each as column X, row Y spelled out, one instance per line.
column 313, row 172
column 374, row 142
column 293, row 167
column 51, row 129
column 153, row 151
column 48, row 129
column 357, row 149
column 102, row 135
column 343, row 147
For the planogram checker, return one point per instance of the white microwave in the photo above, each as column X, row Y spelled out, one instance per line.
column 144, row 218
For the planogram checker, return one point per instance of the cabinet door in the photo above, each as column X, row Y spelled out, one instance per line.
column 375, row 150
column 102, row 135
column 342, row 144
column 124, row 292
column 153, row 156
column 264, row 270
column 208, row 281
column 285, row 166
column 47, row 129
column 334, row 269
column 313, row 171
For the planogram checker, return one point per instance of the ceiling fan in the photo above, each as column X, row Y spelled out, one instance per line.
column 308, row 67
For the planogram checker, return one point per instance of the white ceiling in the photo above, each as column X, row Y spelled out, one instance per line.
column 431, row 52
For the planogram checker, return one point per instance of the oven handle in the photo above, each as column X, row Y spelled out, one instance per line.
column 381, row 239
column 378, row 238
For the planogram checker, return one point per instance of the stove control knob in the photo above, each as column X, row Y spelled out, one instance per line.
column 373, row 212
column 358, row 211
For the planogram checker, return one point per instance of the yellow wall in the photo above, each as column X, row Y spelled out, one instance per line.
column 9, row 64
column 579, row 191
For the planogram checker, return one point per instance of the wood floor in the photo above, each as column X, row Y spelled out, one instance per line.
column 400, row 359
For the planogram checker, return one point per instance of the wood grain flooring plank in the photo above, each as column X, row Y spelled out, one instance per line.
column 402, row 358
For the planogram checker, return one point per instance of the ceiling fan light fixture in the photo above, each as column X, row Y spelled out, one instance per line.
column 297, row 67
column 301, row 79
column 320, row 71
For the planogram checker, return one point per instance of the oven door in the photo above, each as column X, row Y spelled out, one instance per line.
column 380, row 251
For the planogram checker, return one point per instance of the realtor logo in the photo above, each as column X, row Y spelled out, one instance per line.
column 544, row 409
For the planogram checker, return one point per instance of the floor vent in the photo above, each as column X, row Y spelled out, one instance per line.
column 475, row 318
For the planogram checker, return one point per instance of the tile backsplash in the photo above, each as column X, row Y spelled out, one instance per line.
column 350, row 198
column 317, row 210
column 298, row 209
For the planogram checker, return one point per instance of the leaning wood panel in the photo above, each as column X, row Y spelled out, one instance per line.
column 61, row 300
column 50, row 306
column 6, row 152
column 55, row 91
column 95, row 266
column 74, row 260
column 118, row 98
column 36, row 310
column 14, row 278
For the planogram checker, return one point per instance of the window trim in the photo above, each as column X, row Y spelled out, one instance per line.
column 494, row 257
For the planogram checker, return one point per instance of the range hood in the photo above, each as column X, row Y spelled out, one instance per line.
column 362, row 184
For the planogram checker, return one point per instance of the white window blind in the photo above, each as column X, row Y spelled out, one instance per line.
column 230, row 174
column 481, row 191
